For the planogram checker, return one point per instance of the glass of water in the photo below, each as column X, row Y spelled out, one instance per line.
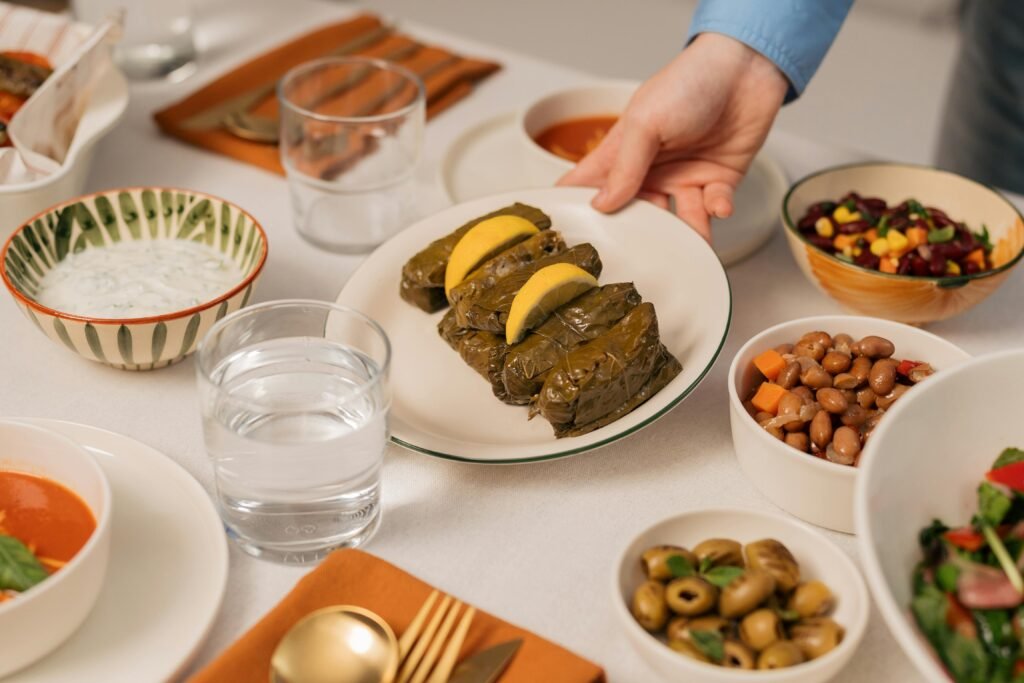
column 294, row 399
column 156, row 35
column 351, row 132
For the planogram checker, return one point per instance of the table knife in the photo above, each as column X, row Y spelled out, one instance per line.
column 486, row 666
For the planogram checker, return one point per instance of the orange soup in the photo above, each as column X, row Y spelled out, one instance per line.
column 49, row 519
column 575, row 138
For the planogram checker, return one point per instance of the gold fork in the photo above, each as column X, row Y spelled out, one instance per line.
column 430, row 648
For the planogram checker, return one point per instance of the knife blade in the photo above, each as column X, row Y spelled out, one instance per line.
column 486, row 666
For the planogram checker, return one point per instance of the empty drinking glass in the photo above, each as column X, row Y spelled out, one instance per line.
column 351, row 132
column 294, row 399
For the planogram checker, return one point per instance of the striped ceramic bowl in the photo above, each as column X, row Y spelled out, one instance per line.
column 142, row 213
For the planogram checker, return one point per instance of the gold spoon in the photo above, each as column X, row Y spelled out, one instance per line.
column 340, row 644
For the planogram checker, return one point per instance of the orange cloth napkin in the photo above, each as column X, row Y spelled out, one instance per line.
column 447, row 78
column 352, row 577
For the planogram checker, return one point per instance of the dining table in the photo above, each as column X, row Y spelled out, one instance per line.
column 534, row 543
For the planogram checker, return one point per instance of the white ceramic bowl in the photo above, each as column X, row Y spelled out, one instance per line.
column 40, row 619
column 604, row 99
column 925, row 462
column 813, row 489
column 818, row 557
column 106, row 107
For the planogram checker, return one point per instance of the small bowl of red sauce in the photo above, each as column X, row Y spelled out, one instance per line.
column 55, row 506
column 562, row 127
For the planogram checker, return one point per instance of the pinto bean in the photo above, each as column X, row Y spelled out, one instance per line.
column 798, row 440
column 821, row 429
column 810, row 349
column 874, row 347
column 832, row 400
column 789, row 375
column 836, row 362
column 884, row 402
column 845, row 380
column 882, row 377
column 815, row 377
column 866, row 397
column 854, row 415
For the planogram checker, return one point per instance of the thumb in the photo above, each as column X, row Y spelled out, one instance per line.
column 637, row 150
column 592, row 170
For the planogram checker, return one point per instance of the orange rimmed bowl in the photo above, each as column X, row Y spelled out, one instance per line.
column 905, row 298
column 112, row 216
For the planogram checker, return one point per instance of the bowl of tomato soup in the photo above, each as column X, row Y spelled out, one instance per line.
column 55, row 506
column 562, row 127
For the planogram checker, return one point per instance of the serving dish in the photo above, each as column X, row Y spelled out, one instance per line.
column 463, row 422
column 38, row 620
column 909, row 299
column 132, row 215
column 166, row 575
column 819, row 559
column 814, row 489
column 925, row 463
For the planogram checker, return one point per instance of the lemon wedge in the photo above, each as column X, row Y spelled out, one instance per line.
column 484, row 241
column 546, row 290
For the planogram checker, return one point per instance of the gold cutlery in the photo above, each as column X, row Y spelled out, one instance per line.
column 486, row 666
column 420, row 647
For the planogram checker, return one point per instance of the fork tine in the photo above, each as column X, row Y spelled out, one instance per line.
column 409, row 665
column 444, row 667
column 436, row 644
column 411, row 633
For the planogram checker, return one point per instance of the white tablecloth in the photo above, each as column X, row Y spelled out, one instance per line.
column 535, row 543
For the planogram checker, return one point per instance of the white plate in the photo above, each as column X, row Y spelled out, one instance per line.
column 167, row 573
column 441, row 407
column 470, row 170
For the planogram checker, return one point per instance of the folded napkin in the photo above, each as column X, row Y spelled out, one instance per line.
column 352, row 577
column 447, row 77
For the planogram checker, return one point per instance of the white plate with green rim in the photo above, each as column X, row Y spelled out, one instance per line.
column 166, row 577
column 441, row 407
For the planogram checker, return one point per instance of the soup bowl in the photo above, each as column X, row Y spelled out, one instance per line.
column 112, row 217
column 905, row 298
column 37, row 621
column 814, row 489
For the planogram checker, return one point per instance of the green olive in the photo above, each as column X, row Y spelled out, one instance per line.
column 737, row 655
column 761, row 628
column 816, row 636
column 690, row 596
column 655, row 561
column 811, row 599
column 780, row 655
column 708, row 623
column 721, row 551
column 745, row 593
column 774, row 558
column 677, row 628
column 688, row 649
column 649, row 607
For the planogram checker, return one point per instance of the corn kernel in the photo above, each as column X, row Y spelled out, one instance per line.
column 823, row 227
column 880, row 247
column 857, row 251
column 897, row 240
column 844, row 215
column 952, row 268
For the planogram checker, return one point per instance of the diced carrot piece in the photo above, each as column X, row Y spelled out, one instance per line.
column 767, row 397
column 977, row 256
column 889, row 265
column 843, row 241
column 916, row 237
column 770, row 363
column 871, row 235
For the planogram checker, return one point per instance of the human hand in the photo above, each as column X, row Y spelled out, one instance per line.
column 689, row 132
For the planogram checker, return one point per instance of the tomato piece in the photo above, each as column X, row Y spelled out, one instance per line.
column 965, row 538
column 959, row 618
column 1018, row 667
column 906, row 366
column 1010, row 475
column 28, row 58
column 9, row 104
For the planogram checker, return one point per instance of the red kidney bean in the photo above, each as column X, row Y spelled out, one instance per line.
column 853, row 227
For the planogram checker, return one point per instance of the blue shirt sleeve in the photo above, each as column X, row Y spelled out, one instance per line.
column 794, row 34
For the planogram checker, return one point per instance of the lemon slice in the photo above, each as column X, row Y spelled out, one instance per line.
column 546, row 290
column 484, row 240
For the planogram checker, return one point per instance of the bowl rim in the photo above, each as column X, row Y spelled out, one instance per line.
column 854, row 632
column 770, row 442
column 103, row 521
column 163, row 317
column 949, row 281
column 907, row 635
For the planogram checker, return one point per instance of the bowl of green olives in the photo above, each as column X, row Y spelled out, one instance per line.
column 728, row 595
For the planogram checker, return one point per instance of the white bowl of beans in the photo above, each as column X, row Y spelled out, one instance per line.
column 805, row 395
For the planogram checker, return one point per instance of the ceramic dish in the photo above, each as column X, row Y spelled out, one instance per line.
column 818, row 558
column 912, row 474
column 166, row 577
column 468, row 172
column 441, row 407
column 41, row 618
column 132, row 214
column 814, row 489
column 905, row 298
